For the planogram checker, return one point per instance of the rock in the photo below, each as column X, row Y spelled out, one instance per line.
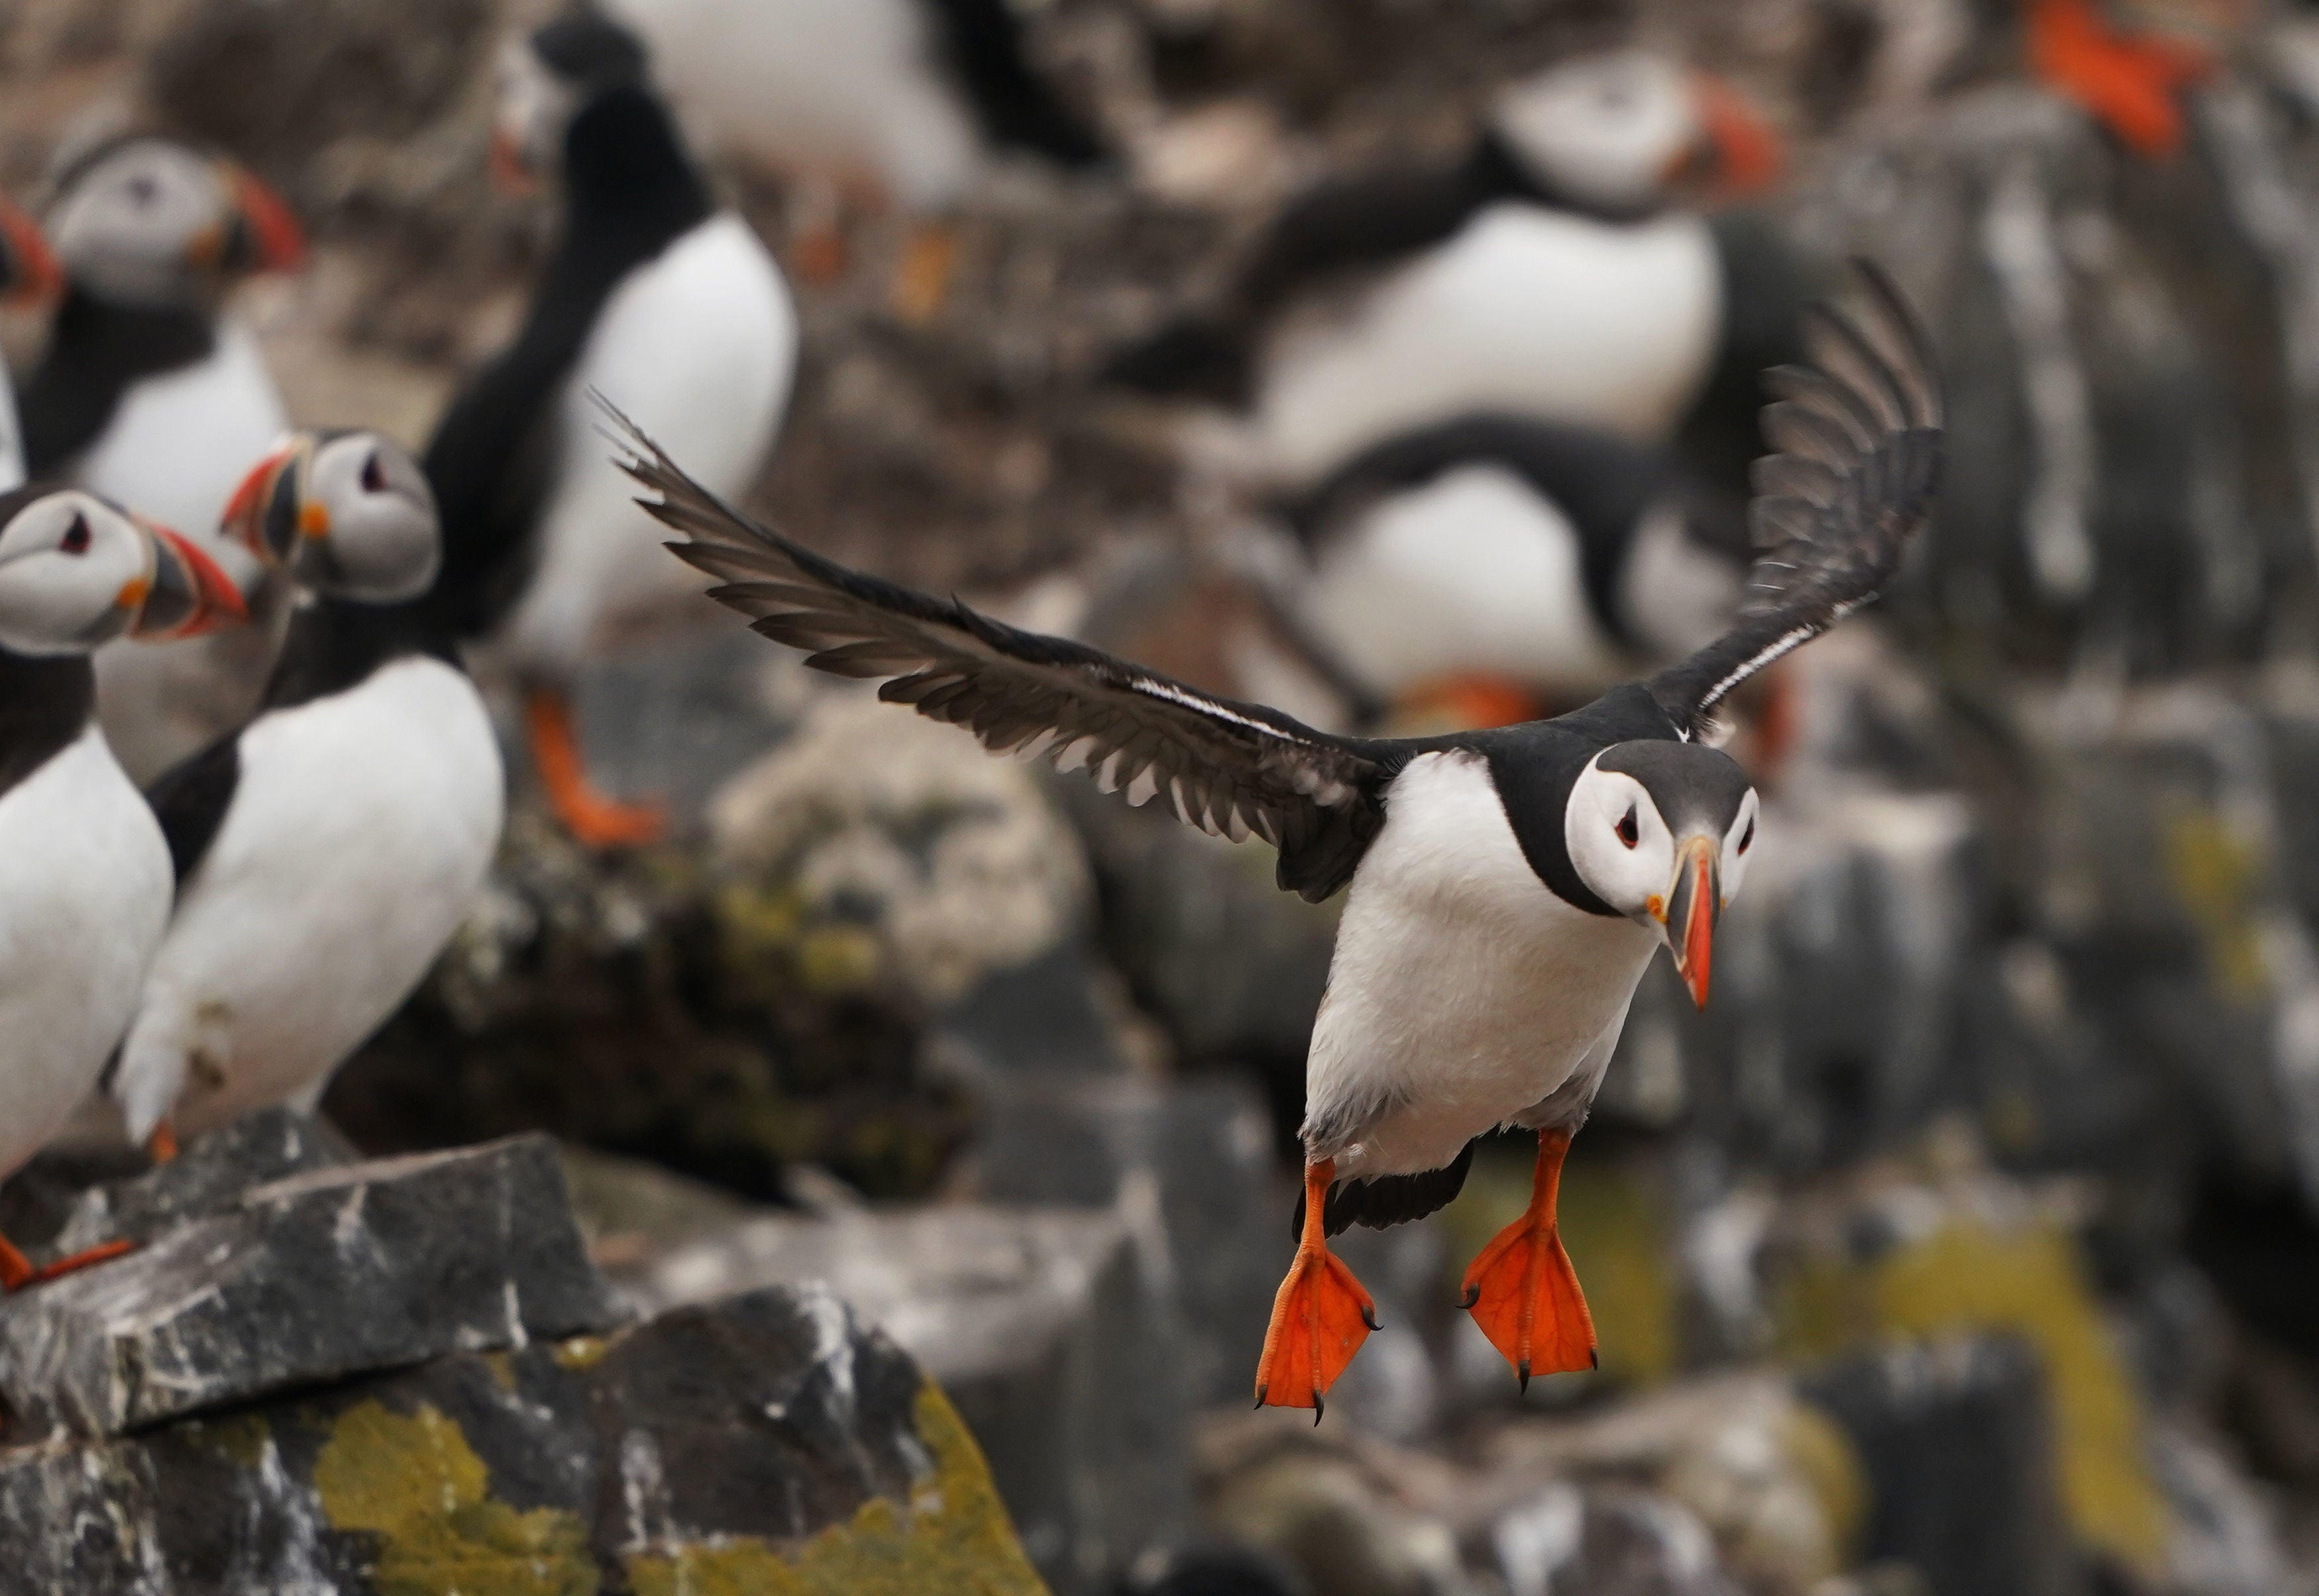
column 772, row 1443
column 1188, row 1165
column 1607, row 1542
column 2227, row 1537
column 1040, row 1018
column 1039, row 1325
column 210, row 1176
column 305, row 1280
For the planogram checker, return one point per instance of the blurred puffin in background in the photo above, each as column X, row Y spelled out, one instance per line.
column 84, row 872
column 155, row 395
column 1492, row 568
column 653, row 296
column 30, row 276
column 2130, row 72
column 1549, row 272
column 913, row 97
column 325, row 852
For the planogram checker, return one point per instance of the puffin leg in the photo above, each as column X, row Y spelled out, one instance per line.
column 596, row 820
column 1522, row 1291
column 922, row 282
column 1320, row 1317
column 2132, row 85
column 161, row 1146
column 17, row 1270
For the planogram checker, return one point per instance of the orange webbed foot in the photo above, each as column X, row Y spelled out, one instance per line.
column 1320, row 1317
column 2132, row 83
column 1522, row 1291
column 922, row 282
column 161, row 1147
column 593, row 819
column 17, row 1272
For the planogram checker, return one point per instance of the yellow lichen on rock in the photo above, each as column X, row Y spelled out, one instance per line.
column 954, row 1537
column 413, row 1481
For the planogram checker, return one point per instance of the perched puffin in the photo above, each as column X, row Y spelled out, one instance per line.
column 29, row 276
column 915, row 97
column 1546, row 274
column 84, row 872
column 1507, row 887
column 153, row 394
column 325, row 852
column 1493, row 563
column 655, row 297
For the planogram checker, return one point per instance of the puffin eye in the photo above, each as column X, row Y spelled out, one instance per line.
column 373, row 477
column 1748, row 836
column 143, row 191
column 76, row 536
column 1629, row 831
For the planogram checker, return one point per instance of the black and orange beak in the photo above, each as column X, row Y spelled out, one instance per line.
column 1694, row 904
column 188, row 595
column 1742, row 156
column 268, row 515
column 30, row 275
column 261, row 235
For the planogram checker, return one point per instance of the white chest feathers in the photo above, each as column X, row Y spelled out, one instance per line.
column 1462, row 991
column 358, row 837
column 1527, row 312
column 698, row 347
column 84, row 894
column 849, row 86
column 179, row 443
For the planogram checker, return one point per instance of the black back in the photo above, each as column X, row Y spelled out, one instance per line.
column 982, row 43
column 45, row 705
column 630, row 191
column 1603, row 483
column 97, row 349
column 190, row 799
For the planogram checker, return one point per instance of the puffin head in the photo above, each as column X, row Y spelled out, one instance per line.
column 1619, row 130
column 150, row 221
column 76, row 572
column 1661, row 832
column 348, row 514
column 549, row 77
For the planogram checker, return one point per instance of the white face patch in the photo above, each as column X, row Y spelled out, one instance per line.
column 66, row 562
column 384, row 543
column 1609, row 129
column 533, row 107
column 1624, row 851
column 132, row 226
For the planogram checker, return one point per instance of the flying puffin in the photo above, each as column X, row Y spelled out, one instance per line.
column 916, row 96
column 1506, row 886
column 657, row 298
column 1546, row 273
column 84, row 872
column 1493, row 563
column 151, row 393
column 325, row 852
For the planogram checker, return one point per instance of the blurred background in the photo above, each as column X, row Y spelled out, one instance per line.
column 1968, row 1243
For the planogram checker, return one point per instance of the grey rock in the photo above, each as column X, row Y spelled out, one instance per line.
column 1040, row 1328
column 723, row 1446
column 210, row 1176
column 1606, row 1541
column 1040, row 1017
column 307, row 1280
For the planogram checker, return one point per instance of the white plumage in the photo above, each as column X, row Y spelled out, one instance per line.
column 1515, row 989
column 84, row 894
column 702, row 340
column 1526, row 311
column 358, row 837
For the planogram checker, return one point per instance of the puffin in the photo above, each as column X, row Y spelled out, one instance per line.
column 325, row 852
column 84, row 871
column 155, row 395
column 1491, row 564
column 1505, row 888
column 1546, row 271
column 2132, row 80
column 30, row 276
column 913, row 98
column 653, row 295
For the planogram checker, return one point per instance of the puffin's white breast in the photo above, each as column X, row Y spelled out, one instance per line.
column 698, row 346
column 179, row 444
column 1527, row 310
column 357, row 839
column 848, row 86
column 1472, row 572
column 85, row 885
column 1462, row 990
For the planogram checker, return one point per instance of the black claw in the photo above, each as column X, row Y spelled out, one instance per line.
column 1319, row 1408
column 1260, row 1398
column 1369, row 1318
column 1522, row 1370
column 1594, row 1358
column 1473, row 1295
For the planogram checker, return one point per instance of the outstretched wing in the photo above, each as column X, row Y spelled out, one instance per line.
column 1228, row 768
column 1858, row 432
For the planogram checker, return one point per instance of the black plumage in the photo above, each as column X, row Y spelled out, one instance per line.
column 45, row 705
column 98, row 350
column 1014, row 105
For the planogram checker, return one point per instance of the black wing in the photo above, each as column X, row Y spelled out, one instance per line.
column 1229, row 768
column 190, row 799
column 1859, row 434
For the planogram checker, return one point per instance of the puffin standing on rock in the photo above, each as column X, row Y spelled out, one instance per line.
column 1507, row 888
column 655, row 297
column 327, row 851
column 84, row 872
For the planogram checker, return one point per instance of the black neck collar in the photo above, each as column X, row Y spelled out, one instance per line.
column 45, row 705
column 98, row 348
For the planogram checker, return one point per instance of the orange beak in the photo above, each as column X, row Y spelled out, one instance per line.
column 189, row 594
column 1694, row 906
column 277, row 242
column 1747, row 156
column 250, row 515
column 511, row 173
column 31, row 276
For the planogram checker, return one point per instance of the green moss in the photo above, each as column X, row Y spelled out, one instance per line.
column 241, row 1438
column 2217, row 875
column 581, row 1352
column 955, row 1538
column 1969, row 1276
column 415, row 1484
